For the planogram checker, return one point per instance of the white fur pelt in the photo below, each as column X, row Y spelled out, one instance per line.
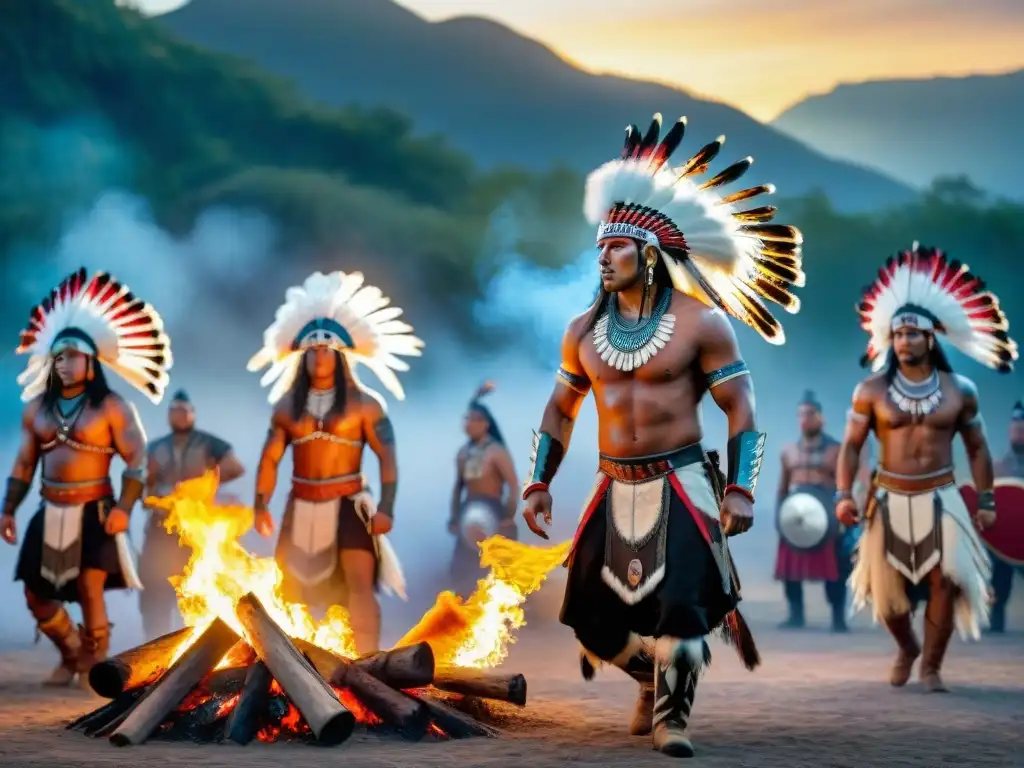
column 391, row 577
column 964, row 561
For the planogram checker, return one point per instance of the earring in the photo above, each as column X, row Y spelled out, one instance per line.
column 650, row 273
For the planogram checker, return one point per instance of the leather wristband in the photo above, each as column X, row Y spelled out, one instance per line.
column 987, row 501
column 740, row 490
column 532, row 487
column 17, row 490
column 386, row 506
column 746, row 454
column 544, row 462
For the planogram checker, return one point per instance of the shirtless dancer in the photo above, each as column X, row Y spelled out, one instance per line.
column 918, row 527
column 486, row 492
column 650, row 558
column 332, row 536
column 76, row 545
column 184, row 454
column 812, row 462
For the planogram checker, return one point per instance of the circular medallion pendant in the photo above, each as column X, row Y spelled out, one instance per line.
column 634, row 573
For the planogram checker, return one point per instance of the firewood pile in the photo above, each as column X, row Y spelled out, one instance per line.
column 271, row 687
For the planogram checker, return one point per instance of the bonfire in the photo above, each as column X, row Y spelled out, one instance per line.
column 250, row 665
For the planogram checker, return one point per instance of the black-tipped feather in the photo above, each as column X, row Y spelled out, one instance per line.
column 697, row 164
column 669, row 144
column 729, row 175
column 776, row 233
column 763, row 214
column 631, row 142
column 650, row 139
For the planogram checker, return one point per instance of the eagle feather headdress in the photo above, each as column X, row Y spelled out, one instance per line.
column 97, row 316
column 339, row 311
column 714, row 251
column 921, row 288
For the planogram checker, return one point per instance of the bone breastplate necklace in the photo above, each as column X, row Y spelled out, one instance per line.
column 918, row 398
column 318, row 404
column 627, row 346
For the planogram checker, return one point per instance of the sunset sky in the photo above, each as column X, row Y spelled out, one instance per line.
column 759, row 55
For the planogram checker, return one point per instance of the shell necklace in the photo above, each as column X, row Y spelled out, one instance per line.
column 626, row 346
column 918, row 398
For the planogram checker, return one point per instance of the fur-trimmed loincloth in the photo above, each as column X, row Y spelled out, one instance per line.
column 906, row 537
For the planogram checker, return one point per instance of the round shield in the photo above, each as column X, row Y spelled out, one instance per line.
column 478, row 521
column 805, row 519
column 1005, row 539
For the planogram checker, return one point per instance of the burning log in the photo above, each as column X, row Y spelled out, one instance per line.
column 328, row 719
column 169, row 691
column 243, row 722
column 408, row 716
column 93, row 722
column 482, row 684
column 401, row 668
column 138, row 666
column 454, row 723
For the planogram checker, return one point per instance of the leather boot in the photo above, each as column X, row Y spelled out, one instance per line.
column 902, row 631
column 637, row 661
column 61, row 632
column 835, row 592
column 95, row 644
column 677, row 667
column 795, row 600
column 938, row 629
column 641, row 668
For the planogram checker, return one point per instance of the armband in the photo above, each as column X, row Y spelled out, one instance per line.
column 987, row 501
column 132, row 488
column 544, row 462
column 746, row 453
column 727, row 373
column 386, row 506
column 852, row 415
column 573, row 381
column 17, row 490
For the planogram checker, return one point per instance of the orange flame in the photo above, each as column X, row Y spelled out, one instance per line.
column 474, row 632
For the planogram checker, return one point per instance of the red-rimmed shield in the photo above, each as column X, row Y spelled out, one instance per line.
column 1005, row 539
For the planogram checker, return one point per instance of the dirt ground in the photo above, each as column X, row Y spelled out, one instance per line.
column 818, row 700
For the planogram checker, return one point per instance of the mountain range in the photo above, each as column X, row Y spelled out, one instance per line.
column 915, row 130
column 502, row 97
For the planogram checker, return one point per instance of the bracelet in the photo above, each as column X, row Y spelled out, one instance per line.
column 987, row 501
column 842, row 495
column 740, row 490
column 534, row 487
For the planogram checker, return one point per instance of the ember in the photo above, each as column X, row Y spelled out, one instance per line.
column 253, row 666
column 285, row 689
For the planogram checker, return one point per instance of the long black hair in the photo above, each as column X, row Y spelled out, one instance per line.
column 936, row 356
column 96, row 388
column 662, row 282
column 476, row 406
column 300, row 389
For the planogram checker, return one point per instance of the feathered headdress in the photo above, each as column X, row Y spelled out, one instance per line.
column 719, row 254
column 811, row 399
column 476, row 404
column 338, row 311
column 97, row 316
column 921, row 288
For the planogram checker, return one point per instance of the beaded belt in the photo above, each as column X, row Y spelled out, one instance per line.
column 640, row 469
column 911, row 484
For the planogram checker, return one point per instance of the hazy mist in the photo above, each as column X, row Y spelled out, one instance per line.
column 231, row 253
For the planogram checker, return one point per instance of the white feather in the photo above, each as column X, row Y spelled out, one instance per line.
column 361, row 309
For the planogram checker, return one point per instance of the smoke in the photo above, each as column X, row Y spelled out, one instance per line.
column 217, row 288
